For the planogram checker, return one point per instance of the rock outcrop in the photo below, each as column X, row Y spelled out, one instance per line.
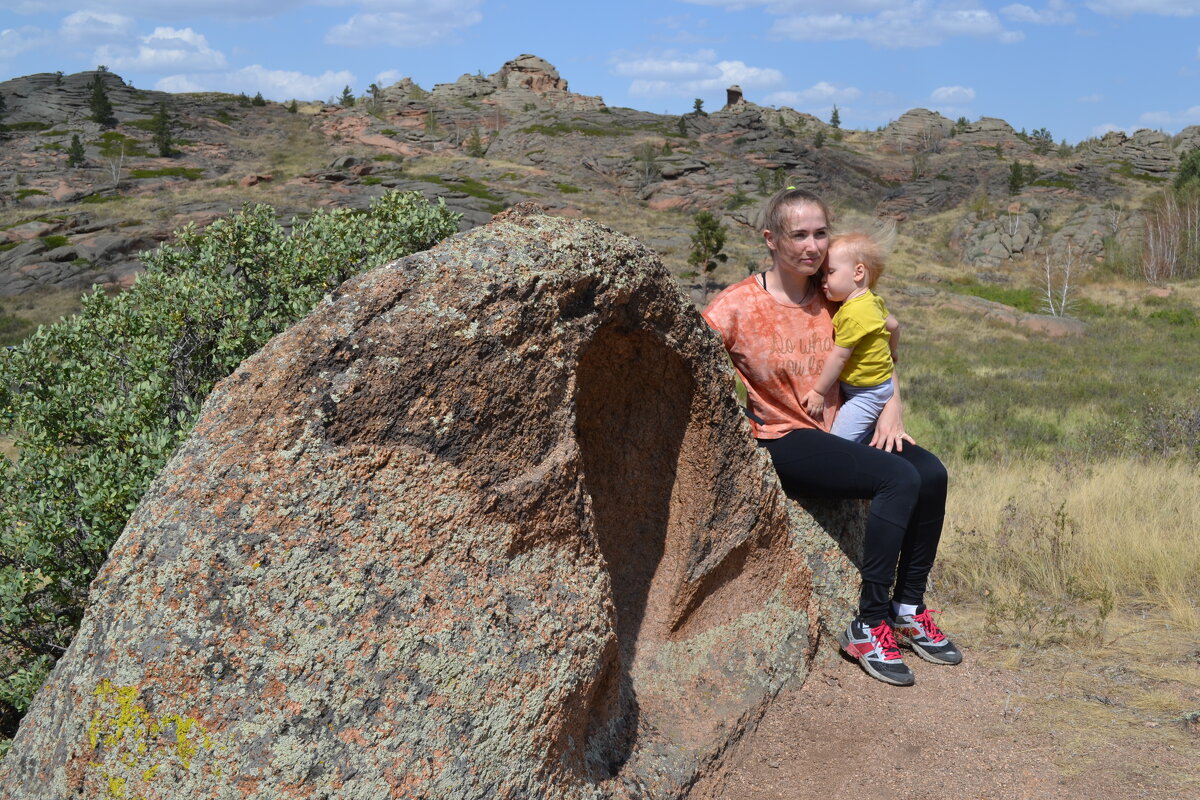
column 487, row 523
column 916, row 131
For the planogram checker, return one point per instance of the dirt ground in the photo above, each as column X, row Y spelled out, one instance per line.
column 970, row 732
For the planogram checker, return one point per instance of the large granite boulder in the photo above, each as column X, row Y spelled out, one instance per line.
column 486, row 524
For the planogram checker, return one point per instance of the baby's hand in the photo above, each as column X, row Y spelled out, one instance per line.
column 813, row 403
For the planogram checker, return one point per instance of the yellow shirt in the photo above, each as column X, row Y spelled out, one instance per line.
column 861, row 325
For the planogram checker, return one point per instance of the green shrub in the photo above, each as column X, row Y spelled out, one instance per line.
column 567, row 188
column 96, row 403
column 55, row 240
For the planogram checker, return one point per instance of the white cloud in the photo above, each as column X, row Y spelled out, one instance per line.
column 1165, row 8
column 670, row 66
column 1056, row 12
column 952, row 94
column 819, row 94
column 674, row 74
column 14, row 41
column 1106, row 127
column 176, row 9
column 1166, row 119
column 389, row 76
column 167, row 49
column 280, row 85
column 405, row 23
column 90, row 26
column 915, row 23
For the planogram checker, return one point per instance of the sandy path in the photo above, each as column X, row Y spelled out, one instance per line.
column 961, row 733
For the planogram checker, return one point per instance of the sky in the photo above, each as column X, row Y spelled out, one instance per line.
column 1078, row 68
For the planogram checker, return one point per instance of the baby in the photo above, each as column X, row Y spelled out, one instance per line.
column 864, row 337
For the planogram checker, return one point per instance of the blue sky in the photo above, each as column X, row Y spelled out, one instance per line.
column 1076, row 67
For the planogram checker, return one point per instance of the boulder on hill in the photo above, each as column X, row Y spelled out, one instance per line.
column 487, row 523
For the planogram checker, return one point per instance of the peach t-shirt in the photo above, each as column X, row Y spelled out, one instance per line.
column 779, row 349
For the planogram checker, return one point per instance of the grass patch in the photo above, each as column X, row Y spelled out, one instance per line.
column 1181, row 315
column 1026, row 300
column 96, row 199
column 147, row 124
column 54, row 240
column 567, row 188
column 23, row 193
column 53, row 133
column 25, row 127
column 468, row 186
column 371, row 180
column 979, row 390
column 564, row 128
column 188, row 173
column 1126, row 169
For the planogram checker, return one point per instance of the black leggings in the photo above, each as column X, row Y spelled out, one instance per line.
column 908, row 502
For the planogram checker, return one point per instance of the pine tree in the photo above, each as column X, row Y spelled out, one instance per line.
column 347, row 97
column 835, row 119
column 258, row 100
column 292, row 107
column 707, row 243
column 102, row 110
column 75, row 153
column 475, row 146
column 162, row 132
column 698, row 107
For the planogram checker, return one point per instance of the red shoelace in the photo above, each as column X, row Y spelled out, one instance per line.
column 882, row 633
column 927, row 624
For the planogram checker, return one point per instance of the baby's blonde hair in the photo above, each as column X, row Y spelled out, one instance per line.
column 866, row 250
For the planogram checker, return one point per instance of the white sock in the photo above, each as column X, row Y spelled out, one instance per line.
column 903, row 609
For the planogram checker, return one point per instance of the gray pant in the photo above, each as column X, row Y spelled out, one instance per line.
column 861, row 405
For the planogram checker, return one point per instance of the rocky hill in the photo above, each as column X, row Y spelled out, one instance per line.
column 483, row 143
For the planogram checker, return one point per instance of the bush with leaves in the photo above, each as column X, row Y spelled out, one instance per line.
column 97, row 403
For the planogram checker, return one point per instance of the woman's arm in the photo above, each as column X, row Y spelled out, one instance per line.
column 889, row 428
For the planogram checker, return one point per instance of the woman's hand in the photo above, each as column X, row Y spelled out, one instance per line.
column 889, row 428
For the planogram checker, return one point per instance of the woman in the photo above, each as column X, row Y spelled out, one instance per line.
column 777, row 328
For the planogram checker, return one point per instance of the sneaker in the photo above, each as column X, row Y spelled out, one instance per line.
column 919, row 632
column 875, row 648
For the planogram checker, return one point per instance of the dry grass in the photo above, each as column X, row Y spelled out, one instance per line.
column 1127, row 528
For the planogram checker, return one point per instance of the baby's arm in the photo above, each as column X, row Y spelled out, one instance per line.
column 893, row 327
column 814, row 401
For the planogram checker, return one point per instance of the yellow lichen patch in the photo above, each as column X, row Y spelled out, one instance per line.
column 132, row 747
